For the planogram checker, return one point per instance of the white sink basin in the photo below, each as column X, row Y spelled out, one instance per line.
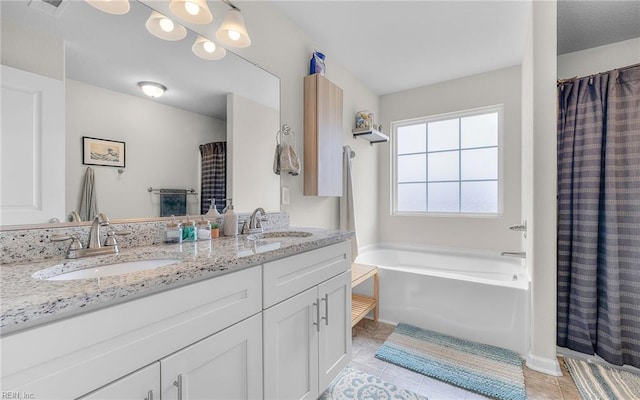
column 106, row 270
column 278, row 235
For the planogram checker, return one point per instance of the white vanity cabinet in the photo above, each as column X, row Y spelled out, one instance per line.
column 281, row 330
column 227, row 365
column 140, row 385
column 307, row 322
column 76, row 356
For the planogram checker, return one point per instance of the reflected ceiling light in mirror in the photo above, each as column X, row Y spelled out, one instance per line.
column 152, row 89
column 194, row 11
column 208, row 50
column 117, row 7
column 164, row 28
column 232, row 32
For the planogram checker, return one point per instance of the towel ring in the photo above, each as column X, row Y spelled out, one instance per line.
column 284, row 133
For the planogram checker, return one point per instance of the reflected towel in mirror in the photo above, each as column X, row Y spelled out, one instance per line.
column 88, row 199
column 173, row 202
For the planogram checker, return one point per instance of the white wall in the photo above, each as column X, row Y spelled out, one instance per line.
column 282, row 48
column 161, row 149
column 487, row 233
column 249, row 145
column 599, row 59
column 539, row 182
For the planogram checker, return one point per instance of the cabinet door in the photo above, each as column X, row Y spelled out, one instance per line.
column 323, row 136
column 143, row 384
column 335, row 327
column 227, row 365
column 291, row 348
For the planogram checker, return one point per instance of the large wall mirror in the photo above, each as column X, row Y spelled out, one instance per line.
column 92, row 62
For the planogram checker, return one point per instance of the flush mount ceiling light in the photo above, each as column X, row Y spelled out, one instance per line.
column 194, row 11
column 152, row 89
column 205, row 48
column 117, row 7
column 164, row 28
column 232, row 32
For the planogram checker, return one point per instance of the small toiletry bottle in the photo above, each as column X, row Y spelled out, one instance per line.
column 204, row 229
column 230, row 221
column 189, row 232
column 174, row 231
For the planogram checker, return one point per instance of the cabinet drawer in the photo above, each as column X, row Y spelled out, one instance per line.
column 74, row 356
column 289, row 276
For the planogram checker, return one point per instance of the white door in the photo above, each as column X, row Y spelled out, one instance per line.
column 291, row 348
column 335, row 327
column 227, row 365
column 143, row 384
column 32, row 146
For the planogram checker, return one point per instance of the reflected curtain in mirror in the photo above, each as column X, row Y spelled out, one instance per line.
column 214, row 175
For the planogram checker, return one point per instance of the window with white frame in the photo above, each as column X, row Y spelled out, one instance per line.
column 448, row 164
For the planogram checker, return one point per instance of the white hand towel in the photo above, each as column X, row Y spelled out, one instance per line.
column 88, row 199
column 289, row 160
column 276, row 159
column 347, row 203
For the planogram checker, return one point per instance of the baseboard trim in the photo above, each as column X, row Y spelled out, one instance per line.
column 549, row 366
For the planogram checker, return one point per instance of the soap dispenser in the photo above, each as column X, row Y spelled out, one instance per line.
column 213, row 210
column 230, row 221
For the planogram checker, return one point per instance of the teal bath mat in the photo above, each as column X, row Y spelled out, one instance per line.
column 599, row 382
column 487, row 370
column 352, row 384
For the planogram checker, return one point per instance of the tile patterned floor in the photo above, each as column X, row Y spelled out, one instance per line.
column 369, row 335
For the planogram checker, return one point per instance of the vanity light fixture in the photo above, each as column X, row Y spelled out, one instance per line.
column 117, row 7
column 208, row 50
column 164, row 28
column 194, row 11
column 152, row 89
column 232, row 32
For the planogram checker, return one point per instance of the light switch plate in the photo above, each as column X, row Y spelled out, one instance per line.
column 285, row 195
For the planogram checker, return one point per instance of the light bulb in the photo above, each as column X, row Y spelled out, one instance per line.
column 166, row 25
column 192, row 8
column 233, row 35
column 209, row 46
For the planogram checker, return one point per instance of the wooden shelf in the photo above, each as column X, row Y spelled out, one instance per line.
column 372, row 135
column 363, row 305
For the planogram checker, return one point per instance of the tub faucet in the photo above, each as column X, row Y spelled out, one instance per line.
column 520, row 254
column 94, row 234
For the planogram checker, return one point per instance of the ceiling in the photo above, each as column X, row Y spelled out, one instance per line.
column 397, row 45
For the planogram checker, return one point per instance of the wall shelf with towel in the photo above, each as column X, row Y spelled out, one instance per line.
column 372, row 135
column 165, row 191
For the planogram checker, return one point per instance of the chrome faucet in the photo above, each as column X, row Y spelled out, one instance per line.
column 252, row 224
column 94, row 247
column 94, row 234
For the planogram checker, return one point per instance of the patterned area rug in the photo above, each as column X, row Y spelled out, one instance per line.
column 599, row 382
column 487, row 370
column 353, row 384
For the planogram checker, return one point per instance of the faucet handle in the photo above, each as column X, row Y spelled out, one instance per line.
column 74, row 237
column 110, row 240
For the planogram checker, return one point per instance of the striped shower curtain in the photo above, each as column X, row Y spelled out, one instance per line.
column 214, row 175
column 599, row 215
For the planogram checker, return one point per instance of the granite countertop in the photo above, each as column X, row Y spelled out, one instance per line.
column 26, row 301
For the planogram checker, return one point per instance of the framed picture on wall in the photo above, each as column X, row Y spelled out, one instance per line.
column 105, row 152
